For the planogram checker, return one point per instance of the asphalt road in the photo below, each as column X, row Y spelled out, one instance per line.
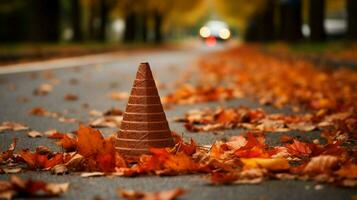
column 95, row 81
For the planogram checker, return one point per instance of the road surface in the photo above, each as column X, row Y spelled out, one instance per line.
column 95, row 77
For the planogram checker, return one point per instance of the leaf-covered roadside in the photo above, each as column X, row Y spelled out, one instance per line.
column 241, row 159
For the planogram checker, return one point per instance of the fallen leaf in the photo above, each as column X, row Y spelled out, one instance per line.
column 299, row 149
column 321, row 164
column 12, row 170
column 67, row 143
column 59, row 169
column 12, row 126
column 161, row 195
column 348, row 171
column 92, row 174
column 41, row 159
column 71, row 97
column 34, row 134
column 272, row 164
column 9, row 153
column 43, row 89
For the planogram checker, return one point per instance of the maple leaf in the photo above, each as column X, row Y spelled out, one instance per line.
column 68, row 143
column 188, row 149
column 236, row 142
column 227, row 116
column 223, row 178
column 41, row 159
column 321, row 164
column 299, row 149
column 163, row 162
column 161, row 195
column 106, row 157
column 6, row 155
column 12, row 126
column 90, row 141
column 348, row 170
column 253, row 148
column 273, row 164
column 100, row 152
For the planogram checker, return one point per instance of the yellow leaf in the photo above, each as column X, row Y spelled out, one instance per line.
column 273, row 164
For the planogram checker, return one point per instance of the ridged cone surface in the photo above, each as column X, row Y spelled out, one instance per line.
column 144, row 122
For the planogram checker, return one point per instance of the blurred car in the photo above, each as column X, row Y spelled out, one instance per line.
column 214, row 31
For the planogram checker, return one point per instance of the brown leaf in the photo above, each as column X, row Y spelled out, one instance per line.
column 161, row 195
column 12, row 126
column 92, row 174
column 68, row 143
column 59, row 169
column 8, row 154
column 43, row 89
column 41, row 159
column 12, row 170
column 71, row 97
column 299, row 149
column 348, row 171
column 34, row 134
column 321, row 164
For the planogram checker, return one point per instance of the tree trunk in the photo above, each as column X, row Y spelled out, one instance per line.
column 267, row 22
column 316, row 20
column 77, row 20
column 290, row 16
column 103, row 20
column 130, row 27
column 352, row 19
column 157, row 27
column 144, row 27
column 45, row 20
column 261, row 27
column 91, row 21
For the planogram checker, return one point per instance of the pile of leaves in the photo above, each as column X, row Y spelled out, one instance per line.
column 243, row 117
column 270, row 80
column 239, row 160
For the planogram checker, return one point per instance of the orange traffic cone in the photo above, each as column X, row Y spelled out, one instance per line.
column 144, row 122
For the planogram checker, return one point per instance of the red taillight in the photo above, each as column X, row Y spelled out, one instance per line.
column 211, row 41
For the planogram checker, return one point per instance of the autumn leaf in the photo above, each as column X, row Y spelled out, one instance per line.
column 68, row 143
column 12, row 126
column 8, row 154
column 161, row 195
column 90, row 141
column 40, row 159
column 321, row 164
column 188, row 149
column 223, row 178
column 299, row 149
column 348, row 171
column 273, row 164
column 253, row 148
column 100, row 152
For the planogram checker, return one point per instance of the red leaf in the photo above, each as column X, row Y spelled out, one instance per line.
column 299, row 149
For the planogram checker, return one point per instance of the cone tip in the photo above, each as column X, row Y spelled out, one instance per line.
column 144, row 71
column 144, row 65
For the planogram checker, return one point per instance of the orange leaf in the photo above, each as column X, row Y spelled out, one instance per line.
column 28, row 157
column 300, row 149
column 68, row 143
column 348, row 171
column 90, row 141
